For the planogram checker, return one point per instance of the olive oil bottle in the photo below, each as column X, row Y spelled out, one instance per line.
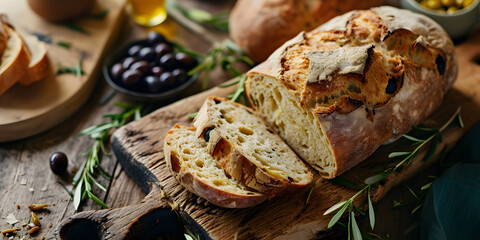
column 148, row 13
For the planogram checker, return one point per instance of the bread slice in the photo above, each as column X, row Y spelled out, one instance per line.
column 248, row 149
column 200, row 173
column 3, row 35
column 39, row 66
column 14, row 60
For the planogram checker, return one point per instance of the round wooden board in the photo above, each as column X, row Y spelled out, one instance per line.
column 28, row 110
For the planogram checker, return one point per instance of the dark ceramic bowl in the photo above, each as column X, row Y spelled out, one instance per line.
column 139, row 94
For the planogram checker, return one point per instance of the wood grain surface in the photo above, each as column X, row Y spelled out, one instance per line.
column 28, row 110
column 139, row 149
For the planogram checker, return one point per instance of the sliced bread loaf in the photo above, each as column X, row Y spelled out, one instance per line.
column 200, row 173
column 14, row 60
column 39, row 66
column 337, row 93
column 248, row 149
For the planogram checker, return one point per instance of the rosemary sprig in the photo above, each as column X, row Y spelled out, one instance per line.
column 64, row 44
column 217, row 21
column 238, row 94
column 76, row 28
column 84, row 179
column 77, row 70
column 341, row 207
column 225, row 54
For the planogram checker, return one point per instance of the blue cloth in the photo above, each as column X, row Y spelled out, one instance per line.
column 452, row 207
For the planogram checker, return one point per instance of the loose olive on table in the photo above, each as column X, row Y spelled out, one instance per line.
column 58, row 163
column 151, row 66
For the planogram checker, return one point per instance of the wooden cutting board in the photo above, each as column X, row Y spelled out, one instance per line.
column 139, row 148
column 28, row 110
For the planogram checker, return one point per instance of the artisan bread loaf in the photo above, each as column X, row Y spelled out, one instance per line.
column 187, row 158
column 248, row 149
column 362, row 79
column 39, row 65
column 14, row 60
column 261, row 26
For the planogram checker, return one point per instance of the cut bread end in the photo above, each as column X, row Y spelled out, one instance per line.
column 248, row 149
column 14, row 60
column 191, row 165
column 301, row 129
column 39, row 66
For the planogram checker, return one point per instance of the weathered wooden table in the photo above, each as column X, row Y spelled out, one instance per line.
column 25, row 177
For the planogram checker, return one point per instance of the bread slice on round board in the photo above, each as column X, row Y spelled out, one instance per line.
column 248, row 149
column 14, row 60
column 39, row 66
column 193, row 167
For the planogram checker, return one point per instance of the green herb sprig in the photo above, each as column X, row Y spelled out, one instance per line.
column 77, row 70
column 434, row 138
column 224, row 55
column 84, row 179
column 217, row 21
column 238, row 94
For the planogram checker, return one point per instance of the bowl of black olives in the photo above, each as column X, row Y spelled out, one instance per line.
column 149, row 69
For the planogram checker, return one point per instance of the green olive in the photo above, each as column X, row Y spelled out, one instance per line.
column 448, row 3
column 452, row 9
column 434, row 4
column 467, row 3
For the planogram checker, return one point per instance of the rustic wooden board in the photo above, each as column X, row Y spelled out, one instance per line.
column 138, row 147
column 28, row 110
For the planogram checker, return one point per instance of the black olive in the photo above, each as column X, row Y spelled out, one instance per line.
column 391, row 86
column 142, row 66
column 167, row 61
column 147, row 54
column 157, row 71
column 117, row 70
column 127, row 62
column 180, row 75
column 185, row 60
column 133, row 51
column 206, row 134
column 154, row 37
column 130, row 77
column 162, row 49
column 153, row 83
column 167, row 79
column 440, row 64
column 58, row 163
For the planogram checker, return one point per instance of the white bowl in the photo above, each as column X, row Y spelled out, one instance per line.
column 457, row 24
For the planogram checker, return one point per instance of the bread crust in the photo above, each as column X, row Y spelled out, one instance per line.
column 233, row 160
column 209, row 192
column 422, row 65
column 254, row 23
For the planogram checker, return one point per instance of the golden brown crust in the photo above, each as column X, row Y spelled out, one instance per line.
column 407, row 72
column 261, row 26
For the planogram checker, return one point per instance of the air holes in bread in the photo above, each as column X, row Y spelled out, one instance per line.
column 245, row 130
column 199, row 163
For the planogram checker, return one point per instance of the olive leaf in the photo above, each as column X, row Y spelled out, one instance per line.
column 371, row 212
column 357, row 235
